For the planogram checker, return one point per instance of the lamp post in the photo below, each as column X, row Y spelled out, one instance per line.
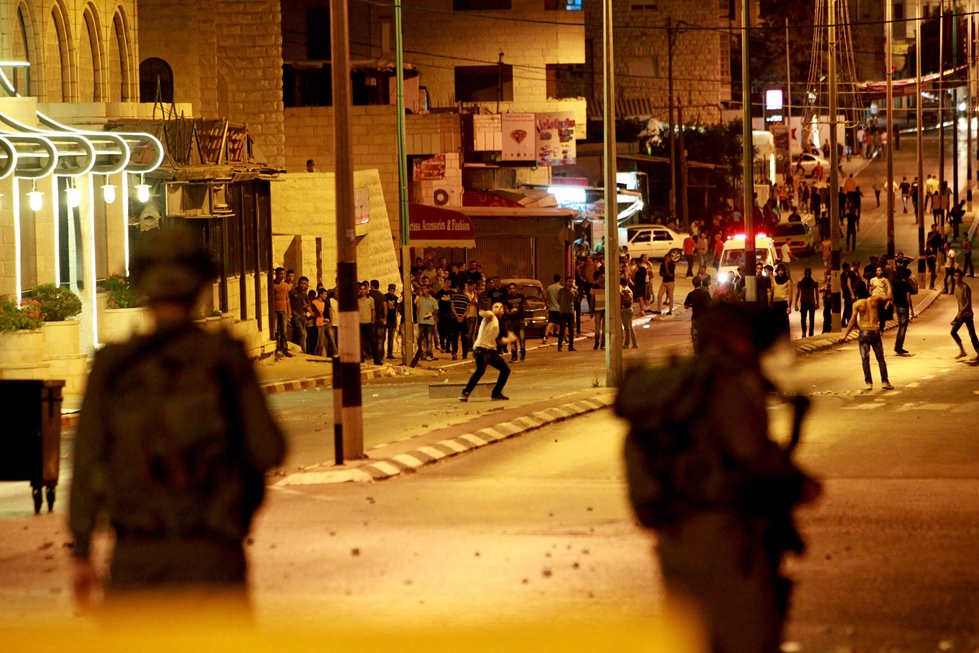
column 920, row 144
column 834, row 175
column 348, row 431
column 613, row 318
column 889, row 126
column 747, row 153
column 407, row 321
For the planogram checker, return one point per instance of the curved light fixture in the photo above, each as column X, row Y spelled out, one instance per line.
column 36, row 199
column 108, row 193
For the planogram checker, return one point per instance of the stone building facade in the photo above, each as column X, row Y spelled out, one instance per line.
column 78, row 50
column 701, row 57
column 226, row 58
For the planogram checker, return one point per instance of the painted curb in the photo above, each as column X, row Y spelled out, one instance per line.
column 414, row 460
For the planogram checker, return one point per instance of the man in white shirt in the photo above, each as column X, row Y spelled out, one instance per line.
column 486, row 353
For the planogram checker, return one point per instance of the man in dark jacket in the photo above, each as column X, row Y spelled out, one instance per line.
column 173, row 442
column 705, row 475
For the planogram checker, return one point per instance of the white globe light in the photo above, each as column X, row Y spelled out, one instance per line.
column 143, row 193
column 109, row 193
column 74, row 197
column 36, row 199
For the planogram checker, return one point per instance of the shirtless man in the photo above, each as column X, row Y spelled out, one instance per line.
column 865, row 316
column 963, row 296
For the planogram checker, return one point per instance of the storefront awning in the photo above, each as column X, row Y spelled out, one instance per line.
column 431, row 226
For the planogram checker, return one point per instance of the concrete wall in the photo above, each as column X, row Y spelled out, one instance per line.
column 309, row 135
column 304, row 210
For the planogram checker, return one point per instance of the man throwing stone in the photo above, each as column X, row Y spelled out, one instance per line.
column 865, row 315
column 486, row 353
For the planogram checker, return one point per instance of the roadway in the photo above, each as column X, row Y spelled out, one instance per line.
column 537, row 529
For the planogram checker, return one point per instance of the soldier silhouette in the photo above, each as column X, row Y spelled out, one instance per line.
column 173, row 442
column 705, row 475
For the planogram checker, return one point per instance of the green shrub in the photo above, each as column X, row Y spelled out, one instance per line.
column 57, row 304
column 121, row 293
column 17, row 318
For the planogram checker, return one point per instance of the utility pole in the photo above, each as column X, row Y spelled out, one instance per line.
column 348, row 416
column 407, row 318
column 613, row 318
column 682, row 155
column 941, row 100
column 670, row 42
column 889, row 126
column 921, row 164
column 970, row 60
column 955, row 111
column 788, row 89
column 499, row 82
column 834, row 175
column 748, row 159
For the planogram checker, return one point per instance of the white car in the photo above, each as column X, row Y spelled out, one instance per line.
column 799, row 235
column 653, row 240
column 808, row 163
column 733, row 254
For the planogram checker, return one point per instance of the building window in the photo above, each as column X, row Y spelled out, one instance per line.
column 23, row 51
column 566, row 81
column 484, row 83
column 898, row 11
column 480, row 5
column 725, row 56
column 155, row 81
column 318, row 44
column 562, row 5
column 648, row 6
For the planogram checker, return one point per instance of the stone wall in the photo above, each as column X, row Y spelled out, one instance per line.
column 249, row 71
column 227, row 61
column 529, row 37
column 309, row 135
column 641, row 62
column 304, row 210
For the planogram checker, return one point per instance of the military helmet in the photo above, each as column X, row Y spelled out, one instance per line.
column 171, row 265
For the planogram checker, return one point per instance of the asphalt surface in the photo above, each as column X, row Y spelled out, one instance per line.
column 537, row 530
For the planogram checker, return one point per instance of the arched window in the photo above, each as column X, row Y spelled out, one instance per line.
column 57, row 57
column 91, row 85
column 155, row 75
column 23, row 50
column 119, row 57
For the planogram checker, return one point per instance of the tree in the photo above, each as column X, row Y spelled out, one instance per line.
column 767, row 47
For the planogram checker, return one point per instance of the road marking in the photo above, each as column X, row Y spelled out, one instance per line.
column 410, row 461
column 469, row 437
column 433, row 452
column 928, row 378
column 958, row 408
column 452, row 444
column 913, row 384
column 870, row 406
